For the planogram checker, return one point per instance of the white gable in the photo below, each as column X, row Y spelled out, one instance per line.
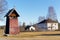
column 32, row 28
column 52, row 26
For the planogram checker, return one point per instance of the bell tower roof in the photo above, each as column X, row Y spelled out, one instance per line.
column 11, row 12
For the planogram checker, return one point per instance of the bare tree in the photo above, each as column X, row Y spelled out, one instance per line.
column 41, row 18
column 51, row 14
column 3, row 8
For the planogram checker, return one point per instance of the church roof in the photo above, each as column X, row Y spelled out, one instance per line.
column 48, row 21
column 51, row 21
column 11, row 11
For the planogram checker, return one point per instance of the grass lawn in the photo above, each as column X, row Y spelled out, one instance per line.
column 51, row 35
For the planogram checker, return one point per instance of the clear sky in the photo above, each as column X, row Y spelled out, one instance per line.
column 30, row 10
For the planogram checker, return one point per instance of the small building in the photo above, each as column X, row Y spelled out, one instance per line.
column 48, row 24
column 30, row 28
column 12, row 22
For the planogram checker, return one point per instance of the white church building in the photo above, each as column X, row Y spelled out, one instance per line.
column 48, row 24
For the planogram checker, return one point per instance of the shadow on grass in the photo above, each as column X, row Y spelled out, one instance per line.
column 49, row 35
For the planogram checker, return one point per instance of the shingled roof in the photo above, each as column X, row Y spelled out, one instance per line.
column 51, row 21
column 11, row 11
column 48, row 21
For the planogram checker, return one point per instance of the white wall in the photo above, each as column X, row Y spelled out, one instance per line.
column 52, row 26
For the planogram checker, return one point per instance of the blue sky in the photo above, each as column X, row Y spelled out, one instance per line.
column 30, row 10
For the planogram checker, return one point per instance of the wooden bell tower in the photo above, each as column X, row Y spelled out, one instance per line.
column 12, row 22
